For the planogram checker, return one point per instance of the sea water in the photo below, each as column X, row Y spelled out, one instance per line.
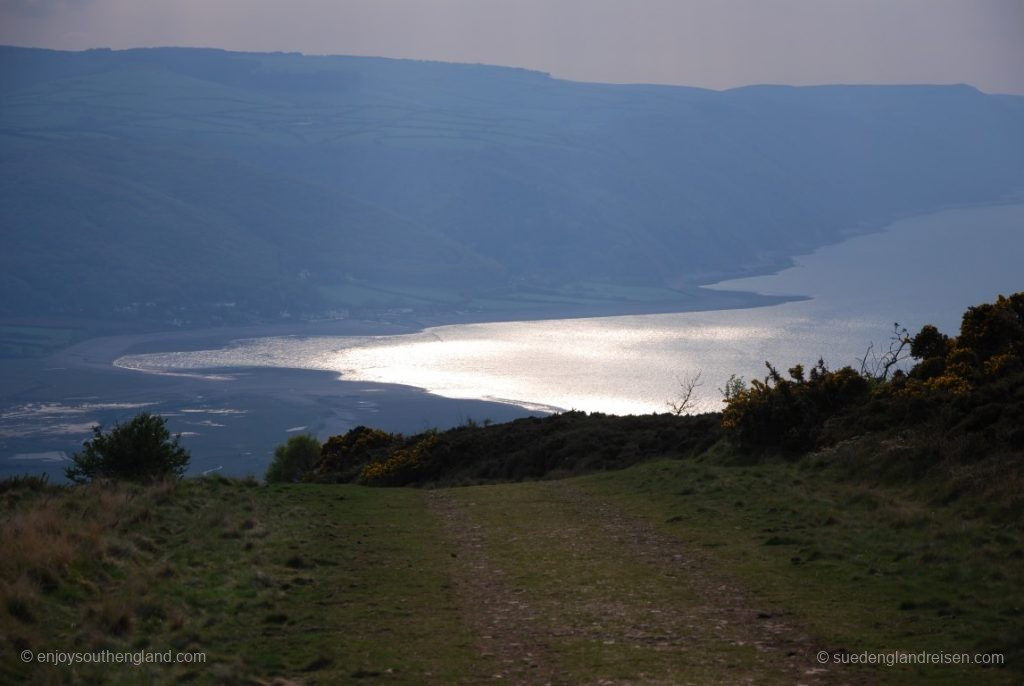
column 925, row 269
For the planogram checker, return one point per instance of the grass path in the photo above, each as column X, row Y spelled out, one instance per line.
column 673, row 572
column 560, row 587
column 532, row 583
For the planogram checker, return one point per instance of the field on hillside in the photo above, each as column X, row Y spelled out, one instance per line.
column 670, row 572
column 194, row 187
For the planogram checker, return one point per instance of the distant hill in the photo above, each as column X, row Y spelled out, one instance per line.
column 199, row 184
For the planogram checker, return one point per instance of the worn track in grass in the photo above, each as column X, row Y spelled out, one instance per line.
column 559, row 586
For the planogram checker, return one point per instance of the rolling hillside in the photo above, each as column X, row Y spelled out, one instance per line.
column 197, row 184
column 674, row 571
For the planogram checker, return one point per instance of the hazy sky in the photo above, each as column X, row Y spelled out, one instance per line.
column 710, row 43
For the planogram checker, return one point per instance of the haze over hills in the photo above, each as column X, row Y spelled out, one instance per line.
column 198, row 185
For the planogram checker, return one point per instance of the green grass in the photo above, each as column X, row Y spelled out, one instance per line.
column 613, row 614
column 674, row 571
column 865, row 568
column 310, row 582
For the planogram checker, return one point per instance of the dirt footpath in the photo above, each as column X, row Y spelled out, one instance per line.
column 561, row 588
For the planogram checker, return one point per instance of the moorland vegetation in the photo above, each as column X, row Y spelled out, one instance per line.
column 931, row 403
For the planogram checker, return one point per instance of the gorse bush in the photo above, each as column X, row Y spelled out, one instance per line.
column 293, row 459
column 344, row 457
column 403, row 465
column 788, row 413
column 990, row 347
column 963, row 397
column 141, row 450
column 972, row 381
column 528, row 448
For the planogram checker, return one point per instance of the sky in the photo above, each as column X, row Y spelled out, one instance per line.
column 709, row 43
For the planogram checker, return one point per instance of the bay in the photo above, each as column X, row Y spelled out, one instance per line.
column 924, row 269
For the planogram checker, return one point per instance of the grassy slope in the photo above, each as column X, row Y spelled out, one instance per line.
column 315, row 583
column 863, row 567
column 669, row 572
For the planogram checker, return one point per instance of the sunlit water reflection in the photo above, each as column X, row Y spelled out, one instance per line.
column 924, row 269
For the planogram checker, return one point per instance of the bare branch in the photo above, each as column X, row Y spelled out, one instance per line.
column 899, row 350
column 685, row 400
column 864, row 360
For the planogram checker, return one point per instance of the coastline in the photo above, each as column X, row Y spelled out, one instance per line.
column 233, row 417
column 867, row 228
column 230, row 419
column 98, row 350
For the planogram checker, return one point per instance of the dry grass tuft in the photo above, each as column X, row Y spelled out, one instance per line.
column 19, row 600
column 113, row 615
column 49, row 536
column 40, row 538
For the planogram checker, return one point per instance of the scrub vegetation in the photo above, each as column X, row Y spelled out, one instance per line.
column 293, row 459
column 139, row 450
